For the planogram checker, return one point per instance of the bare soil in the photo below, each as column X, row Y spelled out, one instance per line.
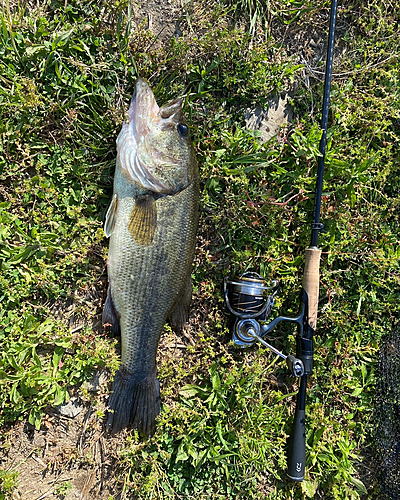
column 68, row 458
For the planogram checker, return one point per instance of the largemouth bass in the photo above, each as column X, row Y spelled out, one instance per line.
column 152, row 223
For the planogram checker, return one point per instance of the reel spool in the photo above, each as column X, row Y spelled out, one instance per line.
column 246, row 299
column 245, row 296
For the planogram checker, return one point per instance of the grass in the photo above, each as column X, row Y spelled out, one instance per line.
column 67, row 70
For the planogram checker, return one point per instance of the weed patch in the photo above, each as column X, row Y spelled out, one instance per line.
column 67, row 71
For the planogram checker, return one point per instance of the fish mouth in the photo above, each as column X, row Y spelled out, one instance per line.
column 145, row 116
column 172, row 111
column 142, row 111
column 143, row 108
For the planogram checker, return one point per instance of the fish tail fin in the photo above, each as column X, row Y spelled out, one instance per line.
column 133, row 402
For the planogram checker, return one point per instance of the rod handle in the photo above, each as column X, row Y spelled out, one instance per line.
column 296, row 462
column 311, row 283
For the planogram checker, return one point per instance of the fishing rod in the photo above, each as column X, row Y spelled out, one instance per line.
column 245, row 298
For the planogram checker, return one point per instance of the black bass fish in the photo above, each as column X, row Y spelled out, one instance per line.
column 152, row 222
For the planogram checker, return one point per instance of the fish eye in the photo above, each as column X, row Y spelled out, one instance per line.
column 183, row 130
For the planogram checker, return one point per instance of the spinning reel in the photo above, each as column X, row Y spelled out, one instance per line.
column 246, row 300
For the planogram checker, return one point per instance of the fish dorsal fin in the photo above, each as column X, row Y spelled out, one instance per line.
column 111, row 216
column 143, row 219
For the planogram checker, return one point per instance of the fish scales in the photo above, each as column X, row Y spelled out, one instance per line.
column 146, row 281
column 152, row 240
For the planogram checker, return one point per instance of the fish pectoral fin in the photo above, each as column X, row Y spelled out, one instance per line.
column 143, row 219
column 111, row 216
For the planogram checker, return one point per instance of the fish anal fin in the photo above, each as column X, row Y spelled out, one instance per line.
column 133, row 402
column 110, row 315
column 180, row 314
column 111, row 216
column 143, row 220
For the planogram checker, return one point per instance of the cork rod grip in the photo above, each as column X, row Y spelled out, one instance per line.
column 311, row 283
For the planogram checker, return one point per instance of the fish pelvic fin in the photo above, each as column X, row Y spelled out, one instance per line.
column 180, row 314
column 134, row 403
column 143, row 220
column 110, row 315
column 111, row 216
